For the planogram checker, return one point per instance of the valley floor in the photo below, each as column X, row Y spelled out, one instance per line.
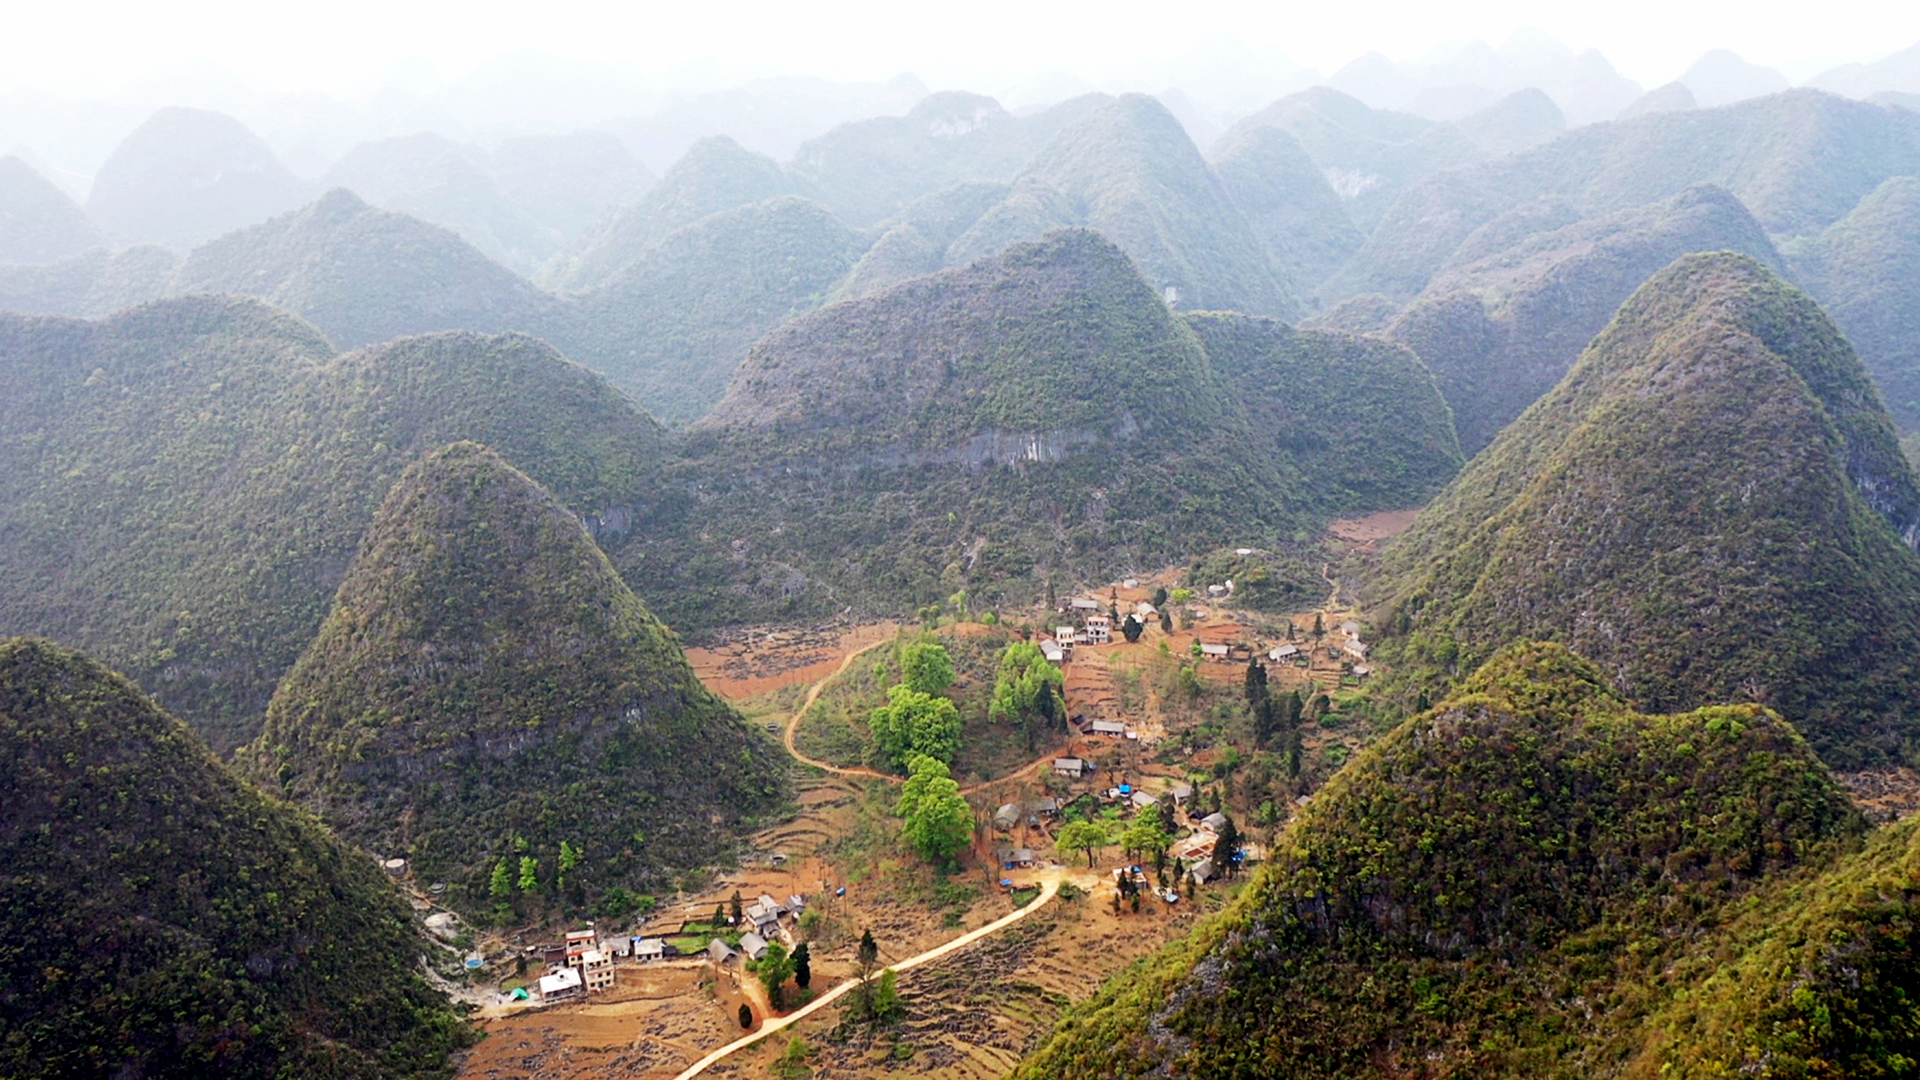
column 974, row 1010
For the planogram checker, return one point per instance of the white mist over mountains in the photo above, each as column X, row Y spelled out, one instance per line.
column 657, row 110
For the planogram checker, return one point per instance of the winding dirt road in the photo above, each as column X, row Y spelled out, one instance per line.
column 813, row 695
column 1050, row 887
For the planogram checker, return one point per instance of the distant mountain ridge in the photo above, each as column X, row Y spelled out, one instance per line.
column 1798, row 160
column 1501, row 329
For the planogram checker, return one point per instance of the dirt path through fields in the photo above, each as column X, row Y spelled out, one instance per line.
column 813, row 695
column 1049, row 888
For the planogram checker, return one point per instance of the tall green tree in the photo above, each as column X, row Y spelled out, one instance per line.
column 913, row 722
column 1144, row 838
column 1225, row 848
column 529, row 873
column 926, row 666
column 1028, row 690
column 1131, row 628
column 939, row 823
column 774, row 969
column 501, row 887
column 866, row 957
column 803, row 965
column 1083, row 836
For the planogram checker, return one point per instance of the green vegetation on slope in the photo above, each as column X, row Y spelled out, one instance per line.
column 364, row 275
column 1819, row 976
column 94, row 283
column 1289, row 205
column 184, row 484
column 1799, row 160
column 1146, row 187
column 674, row 324
column 1369, row 155
column 1711, row 506
column 1503, row 329
column 1355, row 422
column 1865, row 270
column 1038, row 416
column 164, row 919
column 487, row 687
column 715, row 174
column 868, row 170
column 1477, row 894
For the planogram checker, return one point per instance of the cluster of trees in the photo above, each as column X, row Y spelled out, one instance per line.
column 918, row 720
column 939, row 823
column 516, row 878
column 778, row 965
column 1276, row 720
column 1029, row 691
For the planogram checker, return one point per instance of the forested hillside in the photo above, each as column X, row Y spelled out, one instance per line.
column 1865, row 270
column 1711, row 506
column 185, row 483
column 1506, row 886
column 165, row 919
column 1500, row 329
column 1038, row 417
column 486, row 688
column 1798, row 160
column 365, row 276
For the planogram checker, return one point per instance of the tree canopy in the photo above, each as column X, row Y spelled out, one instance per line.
column 915, row 723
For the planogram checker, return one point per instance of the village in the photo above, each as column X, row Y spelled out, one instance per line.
column 1172, row 839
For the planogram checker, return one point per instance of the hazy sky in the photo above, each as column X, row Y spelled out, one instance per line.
column 92, row 46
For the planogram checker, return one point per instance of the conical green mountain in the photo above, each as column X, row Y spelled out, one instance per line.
column 38, row 222
column 715, row 174
column 189, row 175
column 868, row 170
column 93, row 283
column 183, row 485
column 1711, row 506
column 1289, row 204
column 450, row 184
column 1519, row 121
column 672, row 327
column 1481, row 893
column 487, row 688
column 1370, row 155
column 1040, row 415
column 1054, row 335
column 165, row 919
column 1799, row 160
column 1144, row 185
column 364, row 275
column 1865, row 270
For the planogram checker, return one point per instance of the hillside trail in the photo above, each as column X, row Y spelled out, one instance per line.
column 813, row 695
column 1049, row 888
column 1333, row 598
